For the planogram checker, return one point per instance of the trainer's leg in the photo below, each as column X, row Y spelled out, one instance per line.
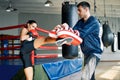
column 89, row 68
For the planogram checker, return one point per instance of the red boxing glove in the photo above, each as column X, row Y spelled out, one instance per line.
column 34, row 33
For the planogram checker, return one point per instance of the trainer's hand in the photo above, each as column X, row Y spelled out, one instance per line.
column 57, row 28
column 53, row 33
column 63, row 26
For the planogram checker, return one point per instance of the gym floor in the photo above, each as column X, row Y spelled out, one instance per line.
column 108, row 71
column 104, row 71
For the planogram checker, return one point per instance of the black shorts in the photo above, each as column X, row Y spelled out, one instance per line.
column 26, row 48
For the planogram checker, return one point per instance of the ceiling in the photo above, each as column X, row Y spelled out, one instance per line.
column 112, row 7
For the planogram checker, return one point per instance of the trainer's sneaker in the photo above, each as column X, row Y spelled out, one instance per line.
column 64, row 41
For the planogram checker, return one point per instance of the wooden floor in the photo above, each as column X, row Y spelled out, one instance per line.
column 104, row 71
column 108, row 71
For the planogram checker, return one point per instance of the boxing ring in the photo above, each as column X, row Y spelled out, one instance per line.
column 47, row 66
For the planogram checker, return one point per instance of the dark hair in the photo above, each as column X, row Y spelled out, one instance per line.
column 84, row 4
column 31, row 21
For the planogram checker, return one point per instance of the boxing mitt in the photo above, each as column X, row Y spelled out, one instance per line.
column 53, row 33
column 33, row 33
column 58, row 28
column 74, row 35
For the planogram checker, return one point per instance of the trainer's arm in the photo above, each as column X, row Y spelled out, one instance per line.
column 86, row 31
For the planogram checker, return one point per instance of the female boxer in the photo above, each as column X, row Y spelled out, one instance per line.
column 31, row 41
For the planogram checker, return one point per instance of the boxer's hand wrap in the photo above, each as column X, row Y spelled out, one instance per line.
column 30, row 34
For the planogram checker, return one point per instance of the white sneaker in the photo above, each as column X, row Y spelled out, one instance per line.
column 64, row 41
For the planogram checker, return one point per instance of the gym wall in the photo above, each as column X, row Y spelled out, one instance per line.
column 8, row 19
column 48, row 21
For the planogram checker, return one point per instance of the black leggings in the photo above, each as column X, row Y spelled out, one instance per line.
column 25, row 53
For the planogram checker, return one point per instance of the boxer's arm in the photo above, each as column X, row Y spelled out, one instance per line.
column 23, row 34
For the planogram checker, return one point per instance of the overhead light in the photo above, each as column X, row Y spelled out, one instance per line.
column 48, row 3
column 10, row 8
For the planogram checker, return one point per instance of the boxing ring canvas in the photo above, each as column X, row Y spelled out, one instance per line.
column 52, row 68
column 8, row 71
column 44, row 69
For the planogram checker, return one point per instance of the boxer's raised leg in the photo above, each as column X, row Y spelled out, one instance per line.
column 66, row 33
column 67, row 40
column 49, row 40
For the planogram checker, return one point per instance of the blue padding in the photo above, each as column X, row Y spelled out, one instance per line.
column 8, row 71
column 59, row 69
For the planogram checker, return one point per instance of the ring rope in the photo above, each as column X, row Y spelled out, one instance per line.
column 19, row 26
column 12, row 27
column 9, row 37
column 10, row 48
column 35, row 56
column 18, row 47
column 41, row 47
